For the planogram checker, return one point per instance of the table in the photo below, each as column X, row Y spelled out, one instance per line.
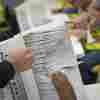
column 93, row 91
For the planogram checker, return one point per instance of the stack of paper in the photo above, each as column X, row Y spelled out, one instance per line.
column 51, row 53
column 46, row 41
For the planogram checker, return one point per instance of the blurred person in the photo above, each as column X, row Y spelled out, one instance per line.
column 96, row 10
column 84, row 4
column 88, row 20
column 21, row 58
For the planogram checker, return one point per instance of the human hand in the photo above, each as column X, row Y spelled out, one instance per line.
column 63, row 86
column 21, row 58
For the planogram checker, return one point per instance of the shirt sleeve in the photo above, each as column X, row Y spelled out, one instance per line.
column 6, row 73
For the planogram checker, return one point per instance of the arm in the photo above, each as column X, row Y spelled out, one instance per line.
column 6, row 73
column 21, row 58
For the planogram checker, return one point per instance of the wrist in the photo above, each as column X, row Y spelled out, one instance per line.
column 10, row 61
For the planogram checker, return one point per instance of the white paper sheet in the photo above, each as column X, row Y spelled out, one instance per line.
column 52, row 53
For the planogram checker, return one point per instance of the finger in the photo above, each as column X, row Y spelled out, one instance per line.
column 28, row 50
column 29, row 61
column 29, row 55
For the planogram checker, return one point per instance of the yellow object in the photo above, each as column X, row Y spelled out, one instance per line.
column 92, row 46
column 96, row 68
column 2, row 12
column 94, row 34
column 95, row 45
column 63, row 3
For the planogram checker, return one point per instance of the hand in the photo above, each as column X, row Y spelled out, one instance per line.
column 63, row 86
column 21, row 58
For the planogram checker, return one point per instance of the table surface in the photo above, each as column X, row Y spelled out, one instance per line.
column 93, row 91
